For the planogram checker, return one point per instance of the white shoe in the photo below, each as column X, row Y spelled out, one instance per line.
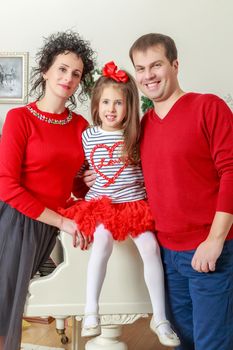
column 93, row 329
column 165, row 338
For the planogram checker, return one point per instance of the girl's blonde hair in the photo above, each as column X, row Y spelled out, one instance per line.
column 131, row 123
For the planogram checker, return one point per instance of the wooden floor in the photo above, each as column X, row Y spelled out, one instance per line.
column 137, row 336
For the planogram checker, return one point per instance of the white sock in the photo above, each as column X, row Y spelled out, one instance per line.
column 101, row 251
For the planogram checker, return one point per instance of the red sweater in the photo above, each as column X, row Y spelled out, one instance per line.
column 187, row 161
column 38, row 160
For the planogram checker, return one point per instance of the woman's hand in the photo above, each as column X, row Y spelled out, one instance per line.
column 79, row 239
column 50, row 217
column 82, row 241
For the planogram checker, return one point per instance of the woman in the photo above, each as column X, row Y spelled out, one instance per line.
column 38, row 162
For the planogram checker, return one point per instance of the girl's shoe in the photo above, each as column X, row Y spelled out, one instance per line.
column 168, row 338
column 93, row 329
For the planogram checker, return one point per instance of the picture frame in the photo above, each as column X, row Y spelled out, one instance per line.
column 13, row 77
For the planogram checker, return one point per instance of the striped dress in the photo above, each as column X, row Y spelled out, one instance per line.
column 118, row 197
column 115, row 179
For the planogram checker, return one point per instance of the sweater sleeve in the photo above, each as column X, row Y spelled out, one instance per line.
column 80, row 189
column 219, row 123
column 13, row 146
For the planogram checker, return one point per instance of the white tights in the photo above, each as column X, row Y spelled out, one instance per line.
column 153, row 271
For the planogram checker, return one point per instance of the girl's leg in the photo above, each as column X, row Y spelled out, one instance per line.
column 154, row 278
column 101, row 251
column 153, row 272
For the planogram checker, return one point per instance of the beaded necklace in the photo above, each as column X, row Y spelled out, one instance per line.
column 43, row 118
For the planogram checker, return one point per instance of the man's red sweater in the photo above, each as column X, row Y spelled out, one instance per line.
column 187, row 161
column 38, row 160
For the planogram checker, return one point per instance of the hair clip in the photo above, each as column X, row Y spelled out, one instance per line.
column 110, row 71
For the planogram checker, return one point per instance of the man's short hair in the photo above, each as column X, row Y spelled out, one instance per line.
column 153, row 39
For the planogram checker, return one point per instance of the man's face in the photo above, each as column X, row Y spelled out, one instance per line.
column 155, row 75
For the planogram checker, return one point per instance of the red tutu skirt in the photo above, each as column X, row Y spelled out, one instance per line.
column 121, row 219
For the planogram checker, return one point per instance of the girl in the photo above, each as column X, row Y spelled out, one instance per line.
column 116, row 205
column 37, row 168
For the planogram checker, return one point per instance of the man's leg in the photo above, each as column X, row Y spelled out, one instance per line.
column 178, row 297
column 212, row 295
column 204, row 300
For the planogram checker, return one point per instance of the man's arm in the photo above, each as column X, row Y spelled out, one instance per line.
column 207, row 253
column 218, row 128
column 89, row 177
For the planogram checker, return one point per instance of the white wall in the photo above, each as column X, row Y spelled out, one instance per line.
column 202, row 29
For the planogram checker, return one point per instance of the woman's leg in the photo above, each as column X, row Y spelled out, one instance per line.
column 24, row 244
column 1, row 343
column 101, row 251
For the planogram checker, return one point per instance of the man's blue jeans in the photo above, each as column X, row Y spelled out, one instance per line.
column 200, row 305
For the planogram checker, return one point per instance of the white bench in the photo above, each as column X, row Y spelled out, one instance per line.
column 124, row 297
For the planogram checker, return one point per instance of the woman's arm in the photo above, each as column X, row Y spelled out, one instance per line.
column 13, row 147
column 50, row 217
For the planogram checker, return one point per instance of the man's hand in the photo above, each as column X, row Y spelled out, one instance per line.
column 89, row 177
column 207, row 254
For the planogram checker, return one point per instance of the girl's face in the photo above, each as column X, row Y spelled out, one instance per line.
column 112, row 108
column 64, row 75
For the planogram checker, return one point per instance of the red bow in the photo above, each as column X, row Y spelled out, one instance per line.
column 110, row 71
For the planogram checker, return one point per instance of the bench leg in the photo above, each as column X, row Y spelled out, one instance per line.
column 108, row 339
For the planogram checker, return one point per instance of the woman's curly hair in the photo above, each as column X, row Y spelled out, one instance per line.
column 55, row 45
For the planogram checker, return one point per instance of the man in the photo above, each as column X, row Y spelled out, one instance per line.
column 187, row 160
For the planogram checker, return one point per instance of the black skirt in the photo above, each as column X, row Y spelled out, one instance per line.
column 25, row 244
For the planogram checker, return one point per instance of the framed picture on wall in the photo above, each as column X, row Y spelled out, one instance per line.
column 13, row 77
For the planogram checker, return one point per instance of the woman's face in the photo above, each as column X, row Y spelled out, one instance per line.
column 64, row 76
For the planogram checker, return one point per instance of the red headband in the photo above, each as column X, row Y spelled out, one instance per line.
column 110, row 71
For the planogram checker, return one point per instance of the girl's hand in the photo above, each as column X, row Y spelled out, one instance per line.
column 79, row 239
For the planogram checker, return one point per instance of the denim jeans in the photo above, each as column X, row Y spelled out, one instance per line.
column 200, row 305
